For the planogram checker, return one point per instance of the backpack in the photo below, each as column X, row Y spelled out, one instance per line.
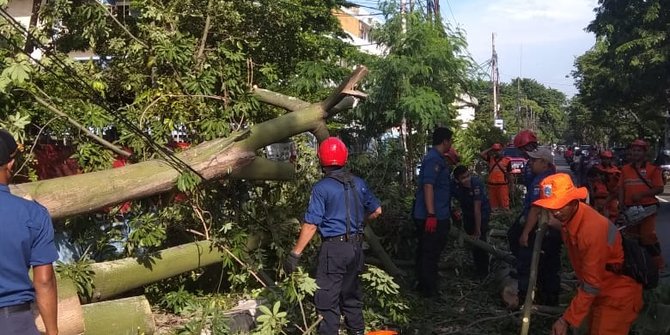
column 638, row 264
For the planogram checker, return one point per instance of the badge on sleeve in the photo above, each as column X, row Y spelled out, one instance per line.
column 437, row 168
column 477, row 190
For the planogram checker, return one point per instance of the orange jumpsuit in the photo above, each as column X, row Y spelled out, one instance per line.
column 497, row 183
column 631, row 184
column 613, row 176
column 613, row 300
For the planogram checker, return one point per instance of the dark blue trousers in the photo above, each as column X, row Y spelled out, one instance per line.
column 548, row 276
column 18, row 323
column 339, row 291
column 428, row 253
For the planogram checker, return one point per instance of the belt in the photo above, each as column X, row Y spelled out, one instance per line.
column 343, row 238
column 15, row 309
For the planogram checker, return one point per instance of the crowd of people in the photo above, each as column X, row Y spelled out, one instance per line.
column 582, row 217
column 585, row 217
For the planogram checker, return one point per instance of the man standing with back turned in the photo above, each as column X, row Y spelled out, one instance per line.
column 432, row 211
column 26, row 240
column 339, row 204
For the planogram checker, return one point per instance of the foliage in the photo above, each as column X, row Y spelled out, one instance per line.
column 625, row 75
column 420, row 76
column 80, row 273
column 270, row 321
column 384, row 305
column 479, row 135
column 525, row 103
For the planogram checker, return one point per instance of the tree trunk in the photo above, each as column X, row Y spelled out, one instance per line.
column 123, row 316
column 70, row 313
column 115, row 277
column 215, row 159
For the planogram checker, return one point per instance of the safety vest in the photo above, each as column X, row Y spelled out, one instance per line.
column 498, row 169
column 640, row 180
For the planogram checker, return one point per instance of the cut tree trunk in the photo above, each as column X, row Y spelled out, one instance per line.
column 123, row 316
column 70, row 313
column 221, row 158
column 115, row 277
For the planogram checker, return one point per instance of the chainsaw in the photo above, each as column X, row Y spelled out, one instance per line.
column 634, row 215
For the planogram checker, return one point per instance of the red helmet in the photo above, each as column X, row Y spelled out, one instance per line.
column 452, row 156
column 333, row 152
column 606, row 154
column 496, row 146
column 640, row 143
column 524, row 137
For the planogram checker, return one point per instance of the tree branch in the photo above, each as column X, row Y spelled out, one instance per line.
column 286, row 102
column 345, row 87
column 88, row 133
column 205, row 32
column 265, row 169
column 119, row 23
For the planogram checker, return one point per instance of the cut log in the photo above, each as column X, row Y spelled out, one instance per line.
column 115, row 277
column 70, row 312
column 123, row 316
column 215, row 159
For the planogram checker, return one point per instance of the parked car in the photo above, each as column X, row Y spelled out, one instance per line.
column 517, row 161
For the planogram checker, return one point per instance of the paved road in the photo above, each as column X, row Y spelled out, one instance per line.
column 662, row 221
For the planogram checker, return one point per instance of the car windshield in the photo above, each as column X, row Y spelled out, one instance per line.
column 512, row 152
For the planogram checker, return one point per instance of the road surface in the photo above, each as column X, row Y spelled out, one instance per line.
column 662, row 221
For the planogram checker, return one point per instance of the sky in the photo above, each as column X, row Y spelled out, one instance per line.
column 538, row 39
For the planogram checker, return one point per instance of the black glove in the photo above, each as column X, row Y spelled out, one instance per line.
column 291, row 262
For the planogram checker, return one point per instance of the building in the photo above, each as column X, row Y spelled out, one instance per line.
column 358, row 23
column 465, row 107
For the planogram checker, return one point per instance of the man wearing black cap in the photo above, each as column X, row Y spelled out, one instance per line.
column 26, row 241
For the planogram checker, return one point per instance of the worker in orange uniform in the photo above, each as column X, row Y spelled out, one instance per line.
column 640, row 182
column 498, row 183
column 594, row 246
column 610, row 176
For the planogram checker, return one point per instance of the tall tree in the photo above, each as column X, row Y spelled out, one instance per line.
column 626, row 75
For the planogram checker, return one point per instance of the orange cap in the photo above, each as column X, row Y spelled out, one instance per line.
column 557, row 190
column 496, row 146
column 607, row 154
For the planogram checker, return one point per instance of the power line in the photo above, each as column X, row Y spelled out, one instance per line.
column 452, row 12
column 93, row 95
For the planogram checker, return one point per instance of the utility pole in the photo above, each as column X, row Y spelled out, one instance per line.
column 495, row 82
column 519, row 121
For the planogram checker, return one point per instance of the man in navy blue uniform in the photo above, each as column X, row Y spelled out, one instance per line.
column 26, row 241
column 431, row 211
column 549, row 283
column 470, row 192
column 337, row 208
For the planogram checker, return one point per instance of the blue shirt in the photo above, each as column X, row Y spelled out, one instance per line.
column 467, row 197
column 26, row 240
column 328, row 211
column 434, row 171
column 533, row 190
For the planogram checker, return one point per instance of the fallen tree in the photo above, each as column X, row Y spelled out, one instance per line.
column 233, row 156
column 123, row 316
